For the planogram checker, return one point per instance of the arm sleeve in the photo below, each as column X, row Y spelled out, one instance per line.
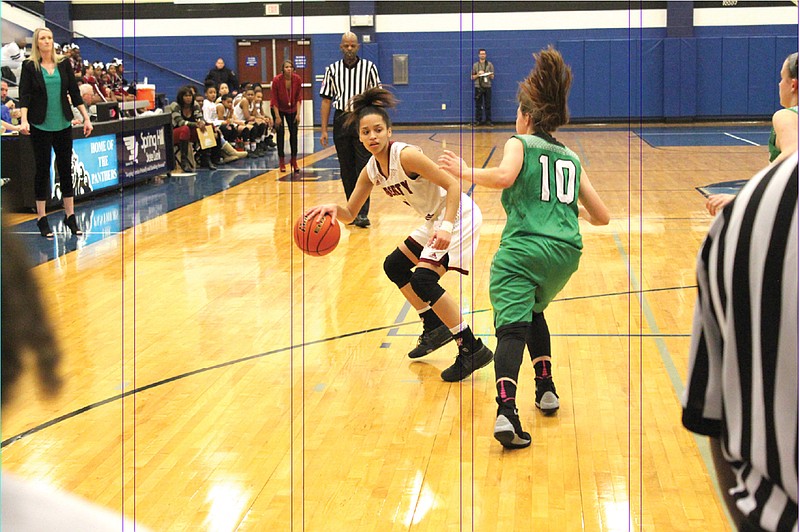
column 273, row 97
column 375, row 80
column 328, row 89
column 702, row 398
column 25, row 85
column 72, row 85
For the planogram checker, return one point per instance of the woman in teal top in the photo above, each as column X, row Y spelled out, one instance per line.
column 783, row 137
column 46, row 86
column 543, row 183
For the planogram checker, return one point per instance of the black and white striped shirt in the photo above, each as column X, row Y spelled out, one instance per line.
column 342, row 82
column 742, row 382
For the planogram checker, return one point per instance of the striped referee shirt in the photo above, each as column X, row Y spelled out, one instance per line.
column 342, row 82
column 742, row 382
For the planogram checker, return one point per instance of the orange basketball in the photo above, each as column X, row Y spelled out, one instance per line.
column 316, row 238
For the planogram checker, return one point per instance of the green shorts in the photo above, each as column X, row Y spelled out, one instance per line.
column 527, row 275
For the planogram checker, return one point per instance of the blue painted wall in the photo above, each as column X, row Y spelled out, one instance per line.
column 618, row 74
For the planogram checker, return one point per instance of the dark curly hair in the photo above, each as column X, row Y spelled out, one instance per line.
column 373, row 101
column 543, row 94
column 26, row 327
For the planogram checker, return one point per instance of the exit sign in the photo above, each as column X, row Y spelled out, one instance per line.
column 272, row 9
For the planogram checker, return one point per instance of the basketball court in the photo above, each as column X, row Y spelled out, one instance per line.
column 219, row 379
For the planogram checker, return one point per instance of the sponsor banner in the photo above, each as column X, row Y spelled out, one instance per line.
column 142, row 153
column 94, row 165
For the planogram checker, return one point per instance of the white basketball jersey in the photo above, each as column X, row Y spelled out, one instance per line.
column 425, row 197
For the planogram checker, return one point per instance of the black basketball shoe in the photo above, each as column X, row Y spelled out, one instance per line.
column 546, row 396
column 508, row 430
column 428, row 342
column 466, row 364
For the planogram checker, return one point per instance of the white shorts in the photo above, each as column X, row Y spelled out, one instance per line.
column 466, row 232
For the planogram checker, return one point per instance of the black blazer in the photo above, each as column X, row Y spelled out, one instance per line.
column 33, row 94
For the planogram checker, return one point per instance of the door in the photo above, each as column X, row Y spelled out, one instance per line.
column 260, row 60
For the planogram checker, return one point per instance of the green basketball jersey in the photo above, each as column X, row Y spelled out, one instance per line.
column 773, row 149
column 543, row 201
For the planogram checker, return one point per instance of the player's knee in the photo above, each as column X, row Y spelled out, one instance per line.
column 425, row 283
column 512, row 331
column 398, row 268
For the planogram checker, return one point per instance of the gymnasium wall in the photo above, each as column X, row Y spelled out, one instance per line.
column 625, row 66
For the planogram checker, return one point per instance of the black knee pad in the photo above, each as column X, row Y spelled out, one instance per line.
column 514, row 331
column 398, row 268
column 425, row 283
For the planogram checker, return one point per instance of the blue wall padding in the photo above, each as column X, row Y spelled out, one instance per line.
column 618, row 74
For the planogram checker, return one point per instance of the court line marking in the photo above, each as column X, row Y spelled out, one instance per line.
column 703, row 445
column 248, row 358
column 742, row 139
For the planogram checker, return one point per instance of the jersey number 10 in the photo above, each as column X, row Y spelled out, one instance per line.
column 564, row 178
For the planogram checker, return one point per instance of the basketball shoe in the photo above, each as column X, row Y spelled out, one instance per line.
column 508, row 429
column 430, row 341
column 466, row 364
column 546, row 396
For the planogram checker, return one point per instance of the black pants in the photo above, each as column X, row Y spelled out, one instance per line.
column 483, row 102
column 287, row 118
column 230, row 132
column 352, row 155
column 61, row 143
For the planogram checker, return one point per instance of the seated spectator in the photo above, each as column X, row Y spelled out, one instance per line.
column 5, row 99
column 75, row 58
column 8, row 102
column 6, row 121
column 222, row 91
column 222, row 74
column 227, row 152
column 265, row 142
column 87, row 95
column 186, row 118
column 117, row 84
column 98, row 89
column 11, row 58
column 254, row 130
column 231, row 128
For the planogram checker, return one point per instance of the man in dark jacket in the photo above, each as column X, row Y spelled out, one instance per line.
column 222, row 74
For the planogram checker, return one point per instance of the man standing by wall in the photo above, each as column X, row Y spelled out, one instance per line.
column 344, row 79
column 222, row 74
column 482, row 75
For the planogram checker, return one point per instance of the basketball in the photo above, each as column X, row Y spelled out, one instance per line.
column 316, row 238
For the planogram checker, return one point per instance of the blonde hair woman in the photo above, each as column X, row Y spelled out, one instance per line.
column 46, row 86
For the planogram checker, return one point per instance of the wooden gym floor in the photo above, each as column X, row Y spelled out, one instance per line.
column 217, row 379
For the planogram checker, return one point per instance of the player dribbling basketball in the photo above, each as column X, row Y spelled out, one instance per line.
column 445, row 241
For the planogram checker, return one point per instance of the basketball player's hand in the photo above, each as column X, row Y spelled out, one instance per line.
column 440, row 240
column 320, row 211
column 717, row 202
column 87, row 127
column 453, row 164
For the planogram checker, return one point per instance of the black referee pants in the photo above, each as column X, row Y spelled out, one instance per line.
column 352, row 155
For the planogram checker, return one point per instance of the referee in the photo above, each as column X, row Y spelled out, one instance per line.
column 742, row 383
column 343, row 80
